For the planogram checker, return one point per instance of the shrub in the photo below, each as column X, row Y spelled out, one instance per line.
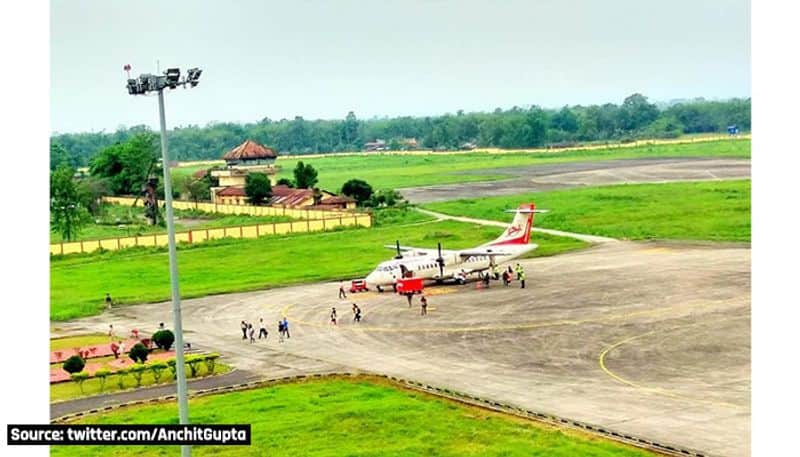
column 194, row 362
column 80, row 378
column 164, row 339
column 121, row 374
column 137, row 371
column 173, row 367
column 74, row 364
column 102, row 375
column 138, row 353
column 211, row 362
column 157, row 368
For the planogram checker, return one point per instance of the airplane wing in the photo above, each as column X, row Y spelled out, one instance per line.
column 416, row 250
column 486, row 252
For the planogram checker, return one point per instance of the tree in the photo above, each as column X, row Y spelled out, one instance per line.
column 60, row 156
column 636, row 112
column 164, row 339
column 565, row 120
column 305, row 176
column 194, row 189
column 138, row 353
column 357, row 189
column 67, row 214
column 126, row 165
column 74, row 364
column 285, row 182
column 350, row 131
column 91, row 190
column 258, row 188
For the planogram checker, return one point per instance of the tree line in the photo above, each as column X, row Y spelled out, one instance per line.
column 517, row 127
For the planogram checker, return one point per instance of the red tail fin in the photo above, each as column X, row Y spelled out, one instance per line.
column 519, row 232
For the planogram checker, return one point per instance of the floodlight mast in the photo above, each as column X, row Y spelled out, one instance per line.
column 152, row 83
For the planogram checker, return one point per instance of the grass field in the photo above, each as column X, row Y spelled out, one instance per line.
column 79, row 283
column 355, row 418
column 71, row 342
column 120, row 221
column 397, row 171
column 708, row 210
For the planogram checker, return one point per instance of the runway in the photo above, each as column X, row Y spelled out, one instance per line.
column 536, row 178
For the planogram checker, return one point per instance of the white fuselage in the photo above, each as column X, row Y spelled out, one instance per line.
column 424, row 265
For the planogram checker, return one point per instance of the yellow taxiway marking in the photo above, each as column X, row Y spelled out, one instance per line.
column 505, row 327
column 654, row 390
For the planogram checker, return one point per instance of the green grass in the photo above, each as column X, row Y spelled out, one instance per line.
column 134, row 223
column 397, row 171
column 71, row 342
column 551, row 245
column 709, row 210
column 70, row 390
column 325, row 418
column 78, row 283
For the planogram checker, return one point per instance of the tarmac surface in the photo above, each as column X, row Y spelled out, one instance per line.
column 650, row 339
column 536, row 178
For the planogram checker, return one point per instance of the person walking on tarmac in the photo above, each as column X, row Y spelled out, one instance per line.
column 505, row 278
column 486, row 278
column 262, row 330
column 286, row 327
column 333, row 316
column 496, row 272
column 341, row 290
column 423, row 306
column 408, row 297
column 518, row 269
column 521, row 279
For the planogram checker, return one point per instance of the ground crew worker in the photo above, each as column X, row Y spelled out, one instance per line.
column 522, row 279
column 496, row 272
column 518, row 269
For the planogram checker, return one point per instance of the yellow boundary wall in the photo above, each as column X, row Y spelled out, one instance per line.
column 331, row 220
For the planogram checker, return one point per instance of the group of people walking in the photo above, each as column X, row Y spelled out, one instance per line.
column 249, row 331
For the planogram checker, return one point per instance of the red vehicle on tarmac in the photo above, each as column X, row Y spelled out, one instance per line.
column 409, row 286
column 358, row 285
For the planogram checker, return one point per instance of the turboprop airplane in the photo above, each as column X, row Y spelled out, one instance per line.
column 439, row 265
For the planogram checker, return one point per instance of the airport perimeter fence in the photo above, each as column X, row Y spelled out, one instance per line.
column 311, row 221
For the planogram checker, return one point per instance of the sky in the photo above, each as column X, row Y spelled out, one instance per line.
column 390, row 58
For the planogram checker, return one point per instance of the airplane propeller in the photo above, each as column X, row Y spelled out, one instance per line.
column 440, row 261
column 399, row 255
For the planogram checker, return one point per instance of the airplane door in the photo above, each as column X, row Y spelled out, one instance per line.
column 405, row 272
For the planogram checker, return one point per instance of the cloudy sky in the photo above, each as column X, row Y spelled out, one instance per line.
column 322, row 59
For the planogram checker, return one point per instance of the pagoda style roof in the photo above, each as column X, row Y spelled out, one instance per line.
column 249, row 150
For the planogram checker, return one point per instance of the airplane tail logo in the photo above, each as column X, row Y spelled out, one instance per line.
column 519, row 232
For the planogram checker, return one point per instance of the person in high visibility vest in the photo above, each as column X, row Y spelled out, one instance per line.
column 521, row 279
column 496, row 272
column 518, row 269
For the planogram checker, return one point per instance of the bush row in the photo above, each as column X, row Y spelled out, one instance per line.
column 157, row 368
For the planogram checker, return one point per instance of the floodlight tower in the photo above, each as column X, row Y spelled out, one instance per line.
column 147, row 83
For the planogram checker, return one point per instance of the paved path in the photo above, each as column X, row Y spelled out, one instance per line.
column 650, row 339
column 536, row 178
column 579, row 236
